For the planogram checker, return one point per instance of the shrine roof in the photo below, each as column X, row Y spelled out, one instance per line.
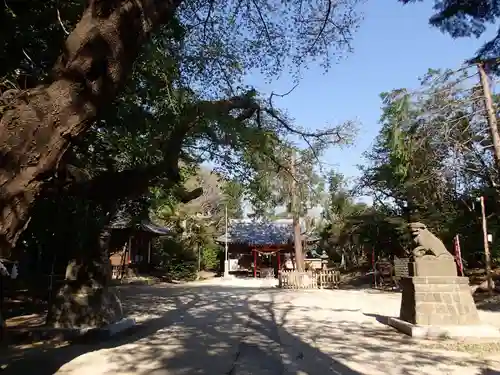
column 259, row 233
column 125, row 221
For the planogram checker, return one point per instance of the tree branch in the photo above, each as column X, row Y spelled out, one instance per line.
column 35, row 134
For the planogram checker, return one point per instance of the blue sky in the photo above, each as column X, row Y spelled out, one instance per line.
column 392, row 48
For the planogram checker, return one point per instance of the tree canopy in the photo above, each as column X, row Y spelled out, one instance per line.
column 112, row 107
column 186, row 92
column 465, row 19
column 434, row 152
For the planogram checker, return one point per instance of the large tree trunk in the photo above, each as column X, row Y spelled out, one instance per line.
column 85, row 299
column 41, row 124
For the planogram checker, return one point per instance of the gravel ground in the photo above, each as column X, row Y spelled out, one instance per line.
column 235, row 328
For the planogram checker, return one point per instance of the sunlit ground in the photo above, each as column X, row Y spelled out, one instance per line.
column 214, row 328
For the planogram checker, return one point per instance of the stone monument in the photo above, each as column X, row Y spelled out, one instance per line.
column 435, row 301
column 430, row 257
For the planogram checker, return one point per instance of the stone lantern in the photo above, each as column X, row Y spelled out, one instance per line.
column 324, row 260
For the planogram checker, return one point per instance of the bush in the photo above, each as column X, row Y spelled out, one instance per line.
column 182, row 271
column 177, row 259
column 210, row 258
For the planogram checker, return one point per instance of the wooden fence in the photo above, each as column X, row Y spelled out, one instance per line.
column 309, row 280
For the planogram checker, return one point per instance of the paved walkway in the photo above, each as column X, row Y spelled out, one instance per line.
column 216, row 329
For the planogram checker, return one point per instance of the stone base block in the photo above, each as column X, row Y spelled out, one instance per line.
column 100, row 333
column 73, row 334
column 479, row 331
column 438, row 301
column 433, row 267
column 110, row 329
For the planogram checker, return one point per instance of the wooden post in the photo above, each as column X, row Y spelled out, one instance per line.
column 374, row 269
column 495, row 138
column 297, row 235
column 199, row 258
column 254, row 263
column 491, row 115
column 487, row 255
column 279, row 262
column 458, row 255
column 130, row 249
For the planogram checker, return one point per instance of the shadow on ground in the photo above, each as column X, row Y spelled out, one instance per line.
column 364, row 281
column 486, row 302
column 220, row 330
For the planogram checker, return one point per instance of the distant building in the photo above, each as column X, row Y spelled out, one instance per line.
column 261, row 247
column 130, row 245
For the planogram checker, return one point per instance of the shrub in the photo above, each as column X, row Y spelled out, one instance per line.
column 177, row 259
column 210, row 258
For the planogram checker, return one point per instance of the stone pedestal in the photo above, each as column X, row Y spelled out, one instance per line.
column 433, row 267
column 439, row 307
column 437, row 300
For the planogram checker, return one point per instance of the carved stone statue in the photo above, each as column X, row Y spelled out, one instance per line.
column 428, row 244
column 434, row 297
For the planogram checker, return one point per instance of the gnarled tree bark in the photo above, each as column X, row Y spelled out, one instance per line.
column 40, row 125
column 85, row 299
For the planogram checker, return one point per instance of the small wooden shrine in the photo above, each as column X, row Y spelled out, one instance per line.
column 131, row 242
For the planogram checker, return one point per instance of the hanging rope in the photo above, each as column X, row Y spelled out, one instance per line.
column 267, row 252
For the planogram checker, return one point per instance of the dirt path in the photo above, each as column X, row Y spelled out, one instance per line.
column 215, row 329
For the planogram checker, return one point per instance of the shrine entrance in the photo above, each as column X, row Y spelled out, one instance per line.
column 259, row 262
column 259, row 249
column 267, row 262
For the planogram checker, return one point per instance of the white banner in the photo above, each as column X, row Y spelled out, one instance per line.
column 233, row 265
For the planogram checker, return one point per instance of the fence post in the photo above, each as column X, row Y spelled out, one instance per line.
column 309, row 280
